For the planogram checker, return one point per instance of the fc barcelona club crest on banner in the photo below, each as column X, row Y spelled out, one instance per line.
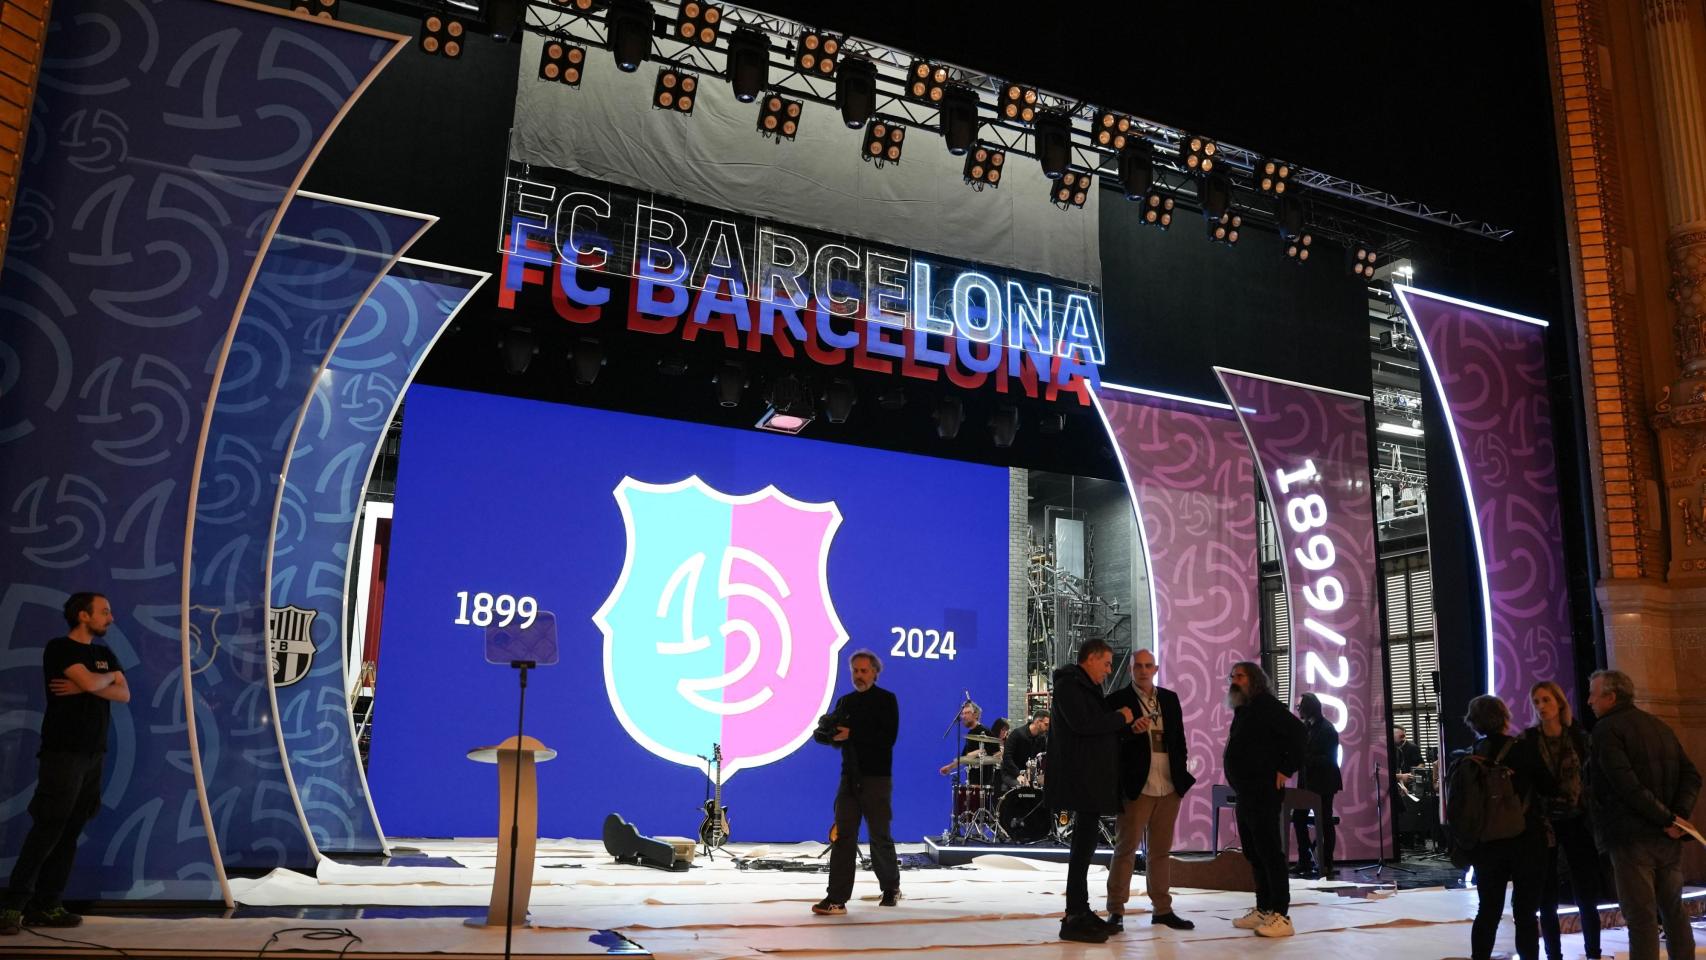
column 290, row 641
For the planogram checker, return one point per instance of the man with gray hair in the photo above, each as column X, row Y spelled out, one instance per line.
column 1263, row 750
column 867, row 721
column 1642, row 788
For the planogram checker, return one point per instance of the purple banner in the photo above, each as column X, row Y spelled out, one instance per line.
column 1312, row 447
column 1488, row 368
column 1189, row 474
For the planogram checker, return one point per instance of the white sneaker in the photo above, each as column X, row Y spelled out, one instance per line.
column 1278, row 925
column 1251, row 920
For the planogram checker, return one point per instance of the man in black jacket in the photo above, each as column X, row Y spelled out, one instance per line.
column 1153, row 781
column 1023, row 744
column 1263, row 751
column 1083, row 774
column 867, row 723
column 1643, row 788
column 1320, row 775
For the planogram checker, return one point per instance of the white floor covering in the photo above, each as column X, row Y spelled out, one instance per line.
column 1000, row 909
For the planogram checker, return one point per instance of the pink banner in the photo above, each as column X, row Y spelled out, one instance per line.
column 1189, row 475
column 1312, row 448
column 1488, row 368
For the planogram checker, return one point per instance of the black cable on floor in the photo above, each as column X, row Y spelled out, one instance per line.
column 80, row 943
column 314, row 933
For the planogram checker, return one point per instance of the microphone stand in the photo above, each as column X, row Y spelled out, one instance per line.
column 954, row 794
column 1379, row 866
column 515, row 809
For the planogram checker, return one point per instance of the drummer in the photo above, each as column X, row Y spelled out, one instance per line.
column 1023, row 745
column 980, row 748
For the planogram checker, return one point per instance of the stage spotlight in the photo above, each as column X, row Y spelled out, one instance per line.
column 883, row 141
column 1226, row 227
column 838, row 400
column 1157, row 209
column 949, row 414
column 1289, row 215
column 894, row 398
column 1216, row 196
column 578, row 6
column 1018, row 104
column 518, row 347
column 958, row 118
column 628, row 25
column 1004, row 426
column 1273, row 177
column 675, row 90
column 730, row 381
column 748, row 63
column 815, row 53
column 1197, row 154
column 1052, row 424
column 779, row 117
column 699, row 23
column 1297, row 251
column 791, row 408
column 1053, row 138
column 562, row 62
column 1362, row 258
column 442, row 36
column 926, row 82
column 1071, row 190
column 323, row 9
column 585, row 360
column 1135, row 167
column 983, row 166
column 856, row 91
column 1113, row 131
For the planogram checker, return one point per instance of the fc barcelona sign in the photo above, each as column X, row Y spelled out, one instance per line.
column 290, row 643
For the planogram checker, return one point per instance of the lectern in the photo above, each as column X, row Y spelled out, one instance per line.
column 518, row 811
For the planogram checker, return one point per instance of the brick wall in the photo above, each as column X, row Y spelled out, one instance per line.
column 23, row 30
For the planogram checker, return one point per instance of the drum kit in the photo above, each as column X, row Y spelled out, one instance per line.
column 1020, row 815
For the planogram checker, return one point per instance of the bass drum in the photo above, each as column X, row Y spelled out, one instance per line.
column 1023, row 816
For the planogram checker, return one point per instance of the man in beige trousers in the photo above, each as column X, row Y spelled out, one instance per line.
column 1153, row 781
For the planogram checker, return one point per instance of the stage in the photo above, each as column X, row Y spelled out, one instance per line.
column 584, row 905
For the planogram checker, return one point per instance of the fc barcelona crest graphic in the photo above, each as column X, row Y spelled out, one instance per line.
column 290, row 643
column 720, row 628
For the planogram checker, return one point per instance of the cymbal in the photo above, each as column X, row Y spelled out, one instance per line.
column 980, row 760
column 980, row 738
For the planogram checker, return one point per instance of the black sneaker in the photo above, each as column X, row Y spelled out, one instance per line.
column 829, row 908
column 890, row 898
column 1115, row 923
column 1170, row 919
column 1084, row 928
column 54, row 916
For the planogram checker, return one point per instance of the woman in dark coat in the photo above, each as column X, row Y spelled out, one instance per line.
column 1515, row 861
column 1563, row 746
column 1320, row 774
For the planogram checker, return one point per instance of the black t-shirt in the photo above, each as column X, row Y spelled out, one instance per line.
column 78, row 723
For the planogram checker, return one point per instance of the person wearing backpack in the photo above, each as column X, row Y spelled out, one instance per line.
column 1643, row 788
column 1563, row 746
column 1496, row 824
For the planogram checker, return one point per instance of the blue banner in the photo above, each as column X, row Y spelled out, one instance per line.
column 353, row 402
column 141, row 213
column 324, row 260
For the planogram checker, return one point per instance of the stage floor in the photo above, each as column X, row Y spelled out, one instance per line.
column 583, row 905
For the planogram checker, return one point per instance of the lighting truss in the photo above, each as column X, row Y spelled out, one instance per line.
column 1357, row 206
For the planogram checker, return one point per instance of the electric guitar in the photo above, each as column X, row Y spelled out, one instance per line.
column 714, row 829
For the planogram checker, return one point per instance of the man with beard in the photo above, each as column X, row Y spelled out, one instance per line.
column 82, row 679
column 867, row 723
column 1083, row 775
column 976, row 751
column 1263, row 751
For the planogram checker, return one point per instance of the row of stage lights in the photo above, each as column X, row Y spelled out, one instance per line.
column 629, row 30
column 791, row 401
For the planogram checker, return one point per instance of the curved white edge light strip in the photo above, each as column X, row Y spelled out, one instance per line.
column 1143, row 392
column 1402, row 290
column 1462, row 463
column 1142, row 531
column 481, row 276
column 1289, row 383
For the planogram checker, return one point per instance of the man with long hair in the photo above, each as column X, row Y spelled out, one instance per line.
column 1263, row 751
